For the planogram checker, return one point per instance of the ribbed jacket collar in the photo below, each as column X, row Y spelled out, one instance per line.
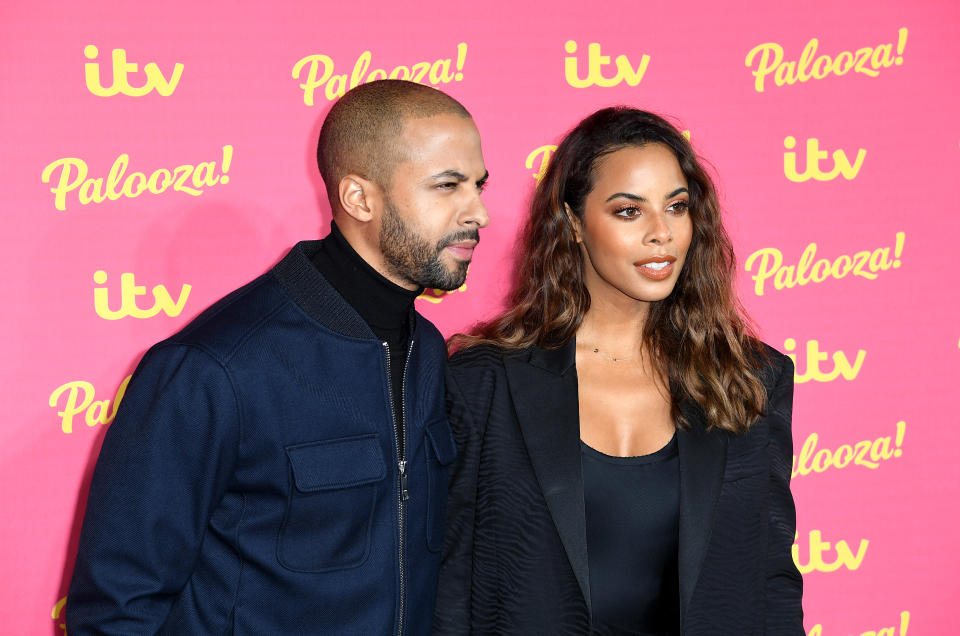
column 304, row 283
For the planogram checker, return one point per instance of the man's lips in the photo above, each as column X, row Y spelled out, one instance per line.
column 656, row 267
column 462, row 250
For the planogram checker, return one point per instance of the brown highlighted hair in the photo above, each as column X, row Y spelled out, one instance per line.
column 699, row 336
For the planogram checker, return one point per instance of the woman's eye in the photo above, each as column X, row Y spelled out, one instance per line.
column 627, row 213
column 680, row 207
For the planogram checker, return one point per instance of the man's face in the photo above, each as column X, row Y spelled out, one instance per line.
column 432, row 211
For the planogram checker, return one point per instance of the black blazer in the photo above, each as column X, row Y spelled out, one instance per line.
column 515, row 548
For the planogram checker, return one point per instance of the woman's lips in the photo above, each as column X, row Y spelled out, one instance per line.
column 463, row 251
column 656, row 267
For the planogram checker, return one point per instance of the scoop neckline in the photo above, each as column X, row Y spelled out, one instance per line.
column 668, row 451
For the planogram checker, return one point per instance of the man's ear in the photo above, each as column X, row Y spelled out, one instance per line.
column 359, row 197
column 574, row 223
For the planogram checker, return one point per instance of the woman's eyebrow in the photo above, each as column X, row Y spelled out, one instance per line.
column 626, row 195
column 637, row 197
column 676, row 192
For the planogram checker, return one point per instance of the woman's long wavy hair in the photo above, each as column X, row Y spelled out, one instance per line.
column 699, row 336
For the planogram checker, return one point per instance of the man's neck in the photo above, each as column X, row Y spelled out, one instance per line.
column 383, row 305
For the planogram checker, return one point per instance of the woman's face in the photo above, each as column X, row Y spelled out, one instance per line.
column 636, row 226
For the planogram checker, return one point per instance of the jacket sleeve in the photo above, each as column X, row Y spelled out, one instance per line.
column 454, row 588
column 784, row 588
column 165, row 463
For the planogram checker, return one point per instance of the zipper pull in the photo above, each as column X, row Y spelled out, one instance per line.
column 404, row 491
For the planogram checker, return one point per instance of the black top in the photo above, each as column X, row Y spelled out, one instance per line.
column 383, row 305
column 632, row 514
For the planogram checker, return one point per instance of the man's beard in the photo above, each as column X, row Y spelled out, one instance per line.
column 412, row 258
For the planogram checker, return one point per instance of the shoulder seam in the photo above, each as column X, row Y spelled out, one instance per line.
column 225, row 356
column 254, row 328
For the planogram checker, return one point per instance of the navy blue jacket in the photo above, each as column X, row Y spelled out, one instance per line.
column 250, row 483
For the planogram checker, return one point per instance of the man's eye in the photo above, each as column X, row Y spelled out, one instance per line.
column 451, row 185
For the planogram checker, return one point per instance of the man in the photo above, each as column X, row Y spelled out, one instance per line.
column 278, row 466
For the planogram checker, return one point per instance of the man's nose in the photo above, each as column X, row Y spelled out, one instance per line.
column 475, row 213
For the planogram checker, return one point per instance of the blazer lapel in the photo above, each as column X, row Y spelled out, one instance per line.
column 703, row 457
column 544, row 393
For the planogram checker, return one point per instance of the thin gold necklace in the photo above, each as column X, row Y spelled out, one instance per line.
column 607, row 356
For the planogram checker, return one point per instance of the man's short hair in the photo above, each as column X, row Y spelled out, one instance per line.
column 360, row 134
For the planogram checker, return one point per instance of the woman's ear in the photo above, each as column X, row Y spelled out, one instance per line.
column 574, row 223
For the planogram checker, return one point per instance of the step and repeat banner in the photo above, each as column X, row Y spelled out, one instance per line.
column 157, row 156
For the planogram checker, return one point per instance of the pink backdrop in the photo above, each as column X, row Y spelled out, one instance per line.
column 833, row 130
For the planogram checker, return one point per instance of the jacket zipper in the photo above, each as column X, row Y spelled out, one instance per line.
column 400, row 440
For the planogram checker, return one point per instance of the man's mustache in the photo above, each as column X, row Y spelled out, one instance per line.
column 457, row 237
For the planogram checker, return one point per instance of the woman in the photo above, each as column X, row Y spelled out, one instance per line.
column 624, row 439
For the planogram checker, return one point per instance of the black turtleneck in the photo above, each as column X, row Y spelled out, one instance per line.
column 385, row 307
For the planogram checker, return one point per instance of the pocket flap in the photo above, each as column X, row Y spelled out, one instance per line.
column 336, row 463
column 441, row 438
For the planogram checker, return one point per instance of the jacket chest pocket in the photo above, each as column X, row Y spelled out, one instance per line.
column 440, row 453
column 330, row 508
